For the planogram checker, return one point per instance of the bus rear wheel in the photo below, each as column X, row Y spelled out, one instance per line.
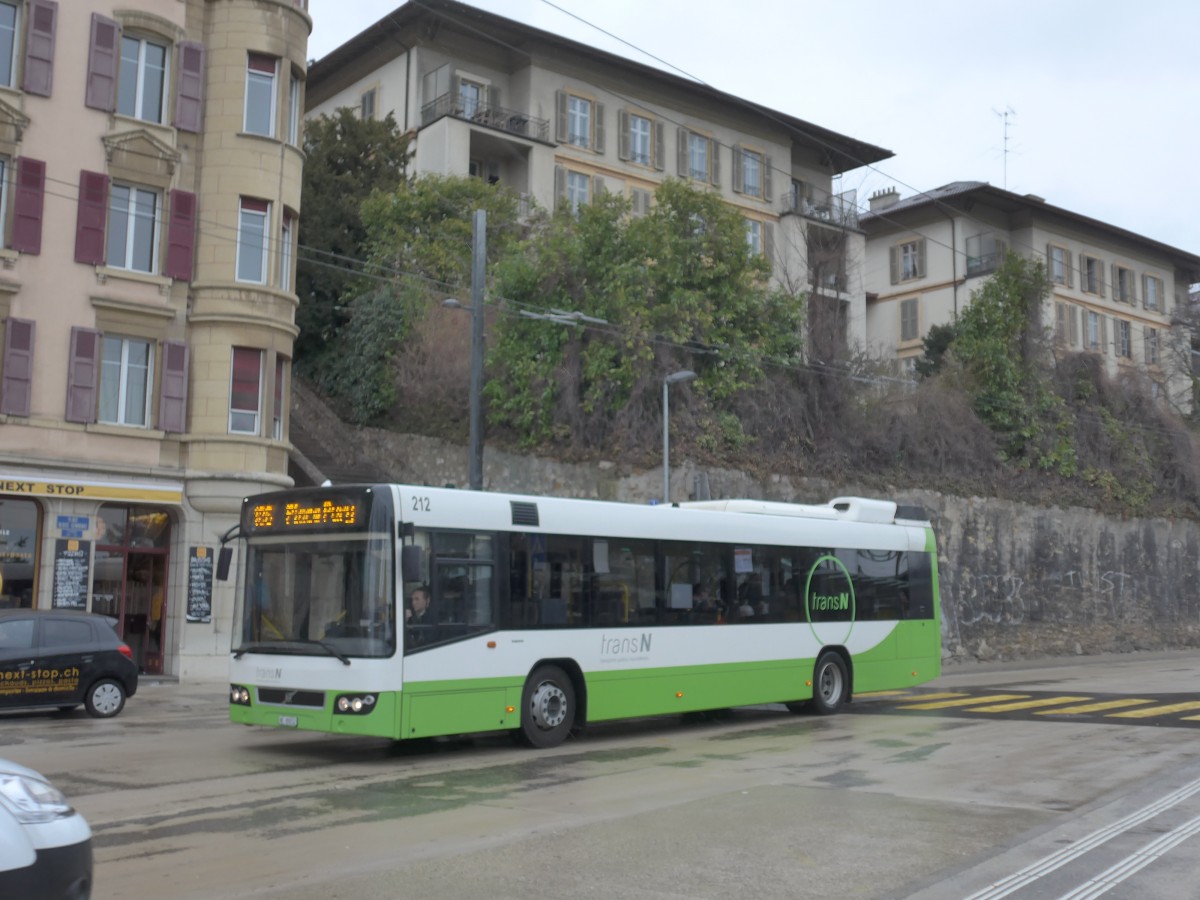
column 831, row 683
column 547, row 707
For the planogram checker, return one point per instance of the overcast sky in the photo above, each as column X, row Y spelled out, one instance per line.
column 1103, row 96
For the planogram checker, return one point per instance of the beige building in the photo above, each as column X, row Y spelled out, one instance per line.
column 152, row 169
column 1115, row 293
column 560, row 121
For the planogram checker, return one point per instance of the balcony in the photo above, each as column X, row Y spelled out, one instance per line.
column 985, row 252
column 834, row 209
column 488, row 115
column 982, row 265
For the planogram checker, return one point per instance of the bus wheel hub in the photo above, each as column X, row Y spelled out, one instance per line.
column 548, row 705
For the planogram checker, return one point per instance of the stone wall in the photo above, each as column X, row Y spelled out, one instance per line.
column 1017, row 580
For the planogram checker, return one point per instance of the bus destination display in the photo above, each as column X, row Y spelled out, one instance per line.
column 282, row 514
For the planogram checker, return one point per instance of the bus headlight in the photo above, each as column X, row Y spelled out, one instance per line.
column 239, row 695
column 355, row 704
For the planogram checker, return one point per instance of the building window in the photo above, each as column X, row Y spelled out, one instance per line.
column 125, row 372
column 1124, row 285
column 142, row 85
column 1152, row 291
column 984, row 253
column 578, row 189
column 245, row 390
column 253, row 222
column 277, row 415
column 1123, row 338
column 908, row 260
column 260, row 95
column 8, row 44
column 1150, row 338
column 579, row 121
column 366, row 105
column 1059, row 263
column 699, row 150
column 910, row 320
column 1095, row 337
column 294, row 111
column 640, row 201
column 640, row 131
column 285, row 253
column 471, row 97
column 751, row 168
column 133, row 226
column 754, row 236
column 1091, row 274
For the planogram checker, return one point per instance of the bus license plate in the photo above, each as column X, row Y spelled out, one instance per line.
column 288, row 721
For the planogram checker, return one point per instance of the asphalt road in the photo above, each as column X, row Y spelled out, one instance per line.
column 888, row 800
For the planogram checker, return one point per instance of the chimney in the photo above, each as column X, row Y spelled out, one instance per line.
column 881, row 200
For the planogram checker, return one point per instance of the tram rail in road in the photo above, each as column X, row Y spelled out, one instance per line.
column 1161, row 710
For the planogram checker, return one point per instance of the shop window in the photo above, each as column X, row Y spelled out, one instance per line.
column 20, row 537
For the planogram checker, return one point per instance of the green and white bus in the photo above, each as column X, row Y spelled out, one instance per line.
column 541, row 614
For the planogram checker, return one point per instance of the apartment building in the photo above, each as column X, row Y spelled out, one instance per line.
column 1115, row 293
column 151, row 162
column 560, row 121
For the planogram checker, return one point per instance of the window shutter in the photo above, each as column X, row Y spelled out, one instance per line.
column 660, row 153
column 1116, row 283
column 39, row 47
column 598, row 112
column 189, row 92
column 1060, row 322
column 738, row 174
column 1100, row 278
column 27, row 206
column 624, row 138
column 894, row 262
column 172, row 398
column 181, row 236
column 16, row 389
column 81, row 375
column 598, row 187
column 1103, row 334
column 766, row 177
column 456, row 104
column 560, row 186
column 715, row 161
column 1073, row 316
column 493, row 97
column 1069, row 264
column 769, row 242
column 89, row 226
column 682, row 156
column 921, row 258
column 560, row 124
column 102, row 64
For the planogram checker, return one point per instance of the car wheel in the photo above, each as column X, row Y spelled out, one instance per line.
column 105, row 698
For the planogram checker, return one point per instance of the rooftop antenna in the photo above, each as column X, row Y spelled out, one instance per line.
column 1005, row 114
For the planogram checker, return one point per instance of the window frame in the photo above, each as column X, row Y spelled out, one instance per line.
column 9, row 79
column 294, row 110
column 258, row 76
column 754, row 236
column 277, row 407
column 131, row 218
column 584, row 115
column 1063, row 263
column 1150, row 349
column 263, row 261
column 705, row 142
column 254, row 414
column 1159, row 292
column 1124, row 284
column 1093, row 331
column 124, row 372
column 573, row 178
column 758, row 158
column 637, row 137
column 286, row 234
column 140, row 78
column 1090, row 266
column 909, row 256
column 1123, row 338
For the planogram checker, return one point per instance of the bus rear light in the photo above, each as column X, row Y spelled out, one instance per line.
column 355, row 704
column 239, row 695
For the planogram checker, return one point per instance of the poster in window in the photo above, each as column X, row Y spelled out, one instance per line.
column 200, row 580
column 72, row 568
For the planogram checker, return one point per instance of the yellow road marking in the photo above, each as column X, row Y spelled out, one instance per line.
column 968, row 701
column 945, row 695
column 1157, row 711
column 1091, row 707
column 871, row 694
column 1028, row 704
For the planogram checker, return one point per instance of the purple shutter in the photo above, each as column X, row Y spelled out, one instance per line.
column 172, row 399
column 39, row 47
column 89, row 226
column 27, row 206
column 102, row 64
column 82, row 373
column 189, row 93
column 181, row 236
column 16, row 389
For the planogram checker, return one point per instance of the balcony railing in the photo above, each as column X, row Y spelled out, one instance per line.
column 982, row 265
column 481, row 113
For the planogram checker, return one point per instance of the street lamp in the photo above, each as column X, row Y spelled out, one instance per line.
column 673, row 378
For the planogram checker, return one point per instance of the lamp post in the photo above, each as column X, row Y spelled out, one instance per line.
column 673, row 378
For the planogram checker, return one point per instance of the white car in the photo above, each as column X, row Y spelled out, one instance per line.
column 45, row 845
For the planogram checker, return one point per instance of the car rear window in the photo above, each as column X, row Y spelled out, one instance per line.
column 16, row 634
column 64, row 633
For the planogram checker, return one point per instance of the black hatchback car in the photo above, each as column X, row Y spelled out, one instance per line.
column 51, row 657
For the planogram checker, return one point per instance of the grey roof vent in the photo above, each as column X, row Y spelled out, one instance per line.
column 524, row 513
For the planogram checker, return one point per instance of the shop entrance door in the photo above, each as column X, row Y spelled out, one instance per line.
column 130, row 578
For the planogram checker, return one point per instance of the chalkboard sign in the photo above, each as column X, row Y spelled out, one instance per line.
column 200, row 579
column 72, row 567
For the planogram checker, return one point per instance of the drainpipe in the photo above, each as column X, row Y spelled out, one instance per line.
column 953, row 259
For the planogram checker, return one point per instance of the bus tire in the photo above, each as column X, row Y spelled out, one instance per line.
column 831, row 683
column 547, row 707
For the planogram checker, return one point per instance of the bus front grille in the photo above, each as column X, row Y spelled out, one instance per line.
column 286, row 697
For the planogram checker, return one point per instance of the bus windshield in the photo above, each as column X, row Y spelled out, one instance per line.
column 317, row 595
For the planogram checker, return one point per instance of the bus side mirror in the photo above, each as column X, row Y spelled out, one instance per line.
column 224, row 557
column 411, row 557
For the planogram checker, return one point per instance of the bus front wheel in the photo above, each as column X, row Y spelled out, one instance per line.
column 831, row 684
column 547, row 707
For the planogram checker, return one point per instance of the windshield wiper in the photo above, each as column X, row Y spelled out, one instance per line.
column 282, row 647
